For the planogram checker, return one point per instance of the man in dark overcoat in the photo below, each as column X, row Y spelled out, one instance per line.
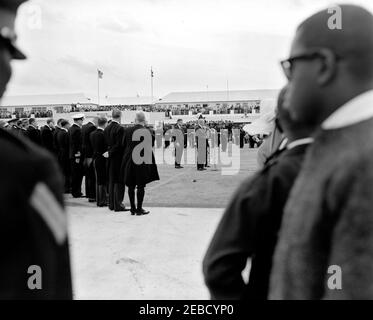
column 114, row 137
column 100, row 155
column 138, row 166
column 87, row 155
column 63, row 153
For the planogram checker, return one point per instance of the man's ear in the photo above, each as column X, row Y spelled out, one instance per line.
column 328, row 68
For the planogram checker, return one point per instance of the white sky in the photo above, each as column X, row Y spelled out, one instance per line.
column 189, row 43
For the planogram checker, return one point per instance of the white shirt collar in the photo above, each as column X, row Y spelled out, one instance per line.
column 115, row 121
column 99, row 128
column 354, row 111
column 299, row 142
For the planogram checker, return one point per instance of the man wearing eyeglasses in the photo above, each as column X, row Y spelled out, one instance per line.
column 33, row 237
column 325, row 248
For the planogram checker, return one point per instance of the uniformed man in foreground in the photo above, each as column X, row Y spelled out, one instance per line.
column 252, row 220
column 75, row 152
column 33, row 240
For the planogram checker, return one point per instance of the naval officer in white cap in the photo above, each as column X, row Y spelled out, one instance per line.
column 75, row 144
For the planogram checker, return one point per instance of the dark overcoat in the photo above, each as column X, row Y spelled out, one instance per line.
column 138, row 174
column 249, row 228
column 114, row 137
column 46, row 135
column 99, row 146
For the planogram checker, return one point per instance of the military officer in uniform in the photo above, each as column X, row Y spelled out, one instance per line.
column 114, row 137
column 33, row 239
column 63, row 156
column 100, row 155
column 180, row 140
column 87, row 155
column 75, row 153
column 201, row 144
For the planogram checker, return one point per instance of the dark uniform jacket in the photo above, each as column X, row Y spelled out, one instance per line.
column 135, row 174
column 99, row 147
column 98, row 143
column 62, row 141
column 34, row 135
column 114, row 136
column 46, row 134
column 87, row 129
column 55, row 143
column 34, row 227
column 75, row 142
column 249, row 228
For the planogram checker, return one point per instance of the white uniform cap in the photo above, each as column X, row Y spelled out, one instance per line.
column 78, row 116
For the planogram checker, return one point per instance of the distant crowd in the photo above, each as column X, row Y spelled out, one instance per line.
column 26, row 114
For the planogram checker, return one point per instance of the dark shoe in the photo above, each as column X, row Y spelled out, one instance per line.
column 179, row 167
column 133, row 211
column 91, row 200
column 142, row 212
column 121, row 209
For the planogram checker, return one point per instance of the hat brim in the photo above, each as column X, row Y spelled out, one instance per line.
column 17, row 54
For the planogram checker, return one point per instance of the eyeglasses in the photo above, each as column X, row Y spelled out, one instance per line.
column 288, row 64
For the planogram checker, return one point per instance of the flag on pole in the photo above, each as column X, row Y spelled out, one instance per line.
column 151, row 72
column 100, row 74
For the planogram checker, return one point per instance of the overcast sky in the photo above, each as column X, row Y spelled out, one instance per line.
column 191, row 44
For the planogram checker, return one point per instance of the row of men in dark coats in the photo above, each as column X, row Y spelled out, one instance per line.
column 102, row 153
column 29, row 128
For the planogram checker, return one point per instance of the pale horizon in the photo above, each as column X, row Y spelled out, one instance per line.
column 193, row 46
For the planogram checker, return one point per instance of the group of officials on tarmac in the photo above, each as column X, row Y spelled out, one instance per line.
column 102, row 153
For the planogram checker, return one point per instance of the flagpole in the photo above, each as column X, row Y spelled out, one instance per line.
column 98, row 88
column 151, row 83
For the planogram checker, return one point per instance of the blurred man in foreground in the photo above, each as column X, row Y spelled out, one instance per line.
column 251, row 222
column 325, row 248
column 33, row 239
